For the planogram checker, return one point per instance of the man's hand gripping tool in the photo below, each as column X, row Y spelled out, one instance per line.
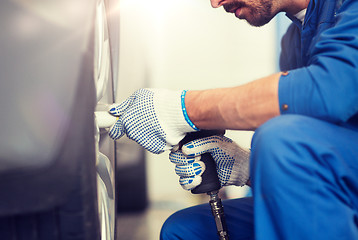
column 210, row 184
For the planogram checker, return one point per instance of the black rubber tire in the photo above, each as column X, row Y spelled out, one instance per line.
column 131, row 178
column 77, row 218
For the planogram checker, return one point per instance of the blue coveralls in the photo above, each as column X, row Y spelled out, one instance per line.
column 304, row 163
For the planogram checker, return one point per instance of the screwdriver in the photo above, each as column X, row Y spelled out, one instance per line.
column 210, row 183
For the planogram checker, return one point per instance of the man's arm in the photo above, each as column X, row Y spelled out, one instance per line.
column 244, row 107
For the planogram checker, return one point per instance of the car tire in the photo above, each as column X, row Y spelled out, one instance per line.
column 76, row 218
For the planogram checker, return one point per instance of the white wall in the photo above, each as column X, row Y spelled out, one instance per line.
column 185, row 44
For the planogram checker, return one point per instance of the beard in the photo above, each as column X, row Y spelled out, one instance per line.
column 258, row 12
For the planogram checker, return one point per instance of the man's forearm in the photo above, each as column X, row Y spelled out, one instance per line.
column 243, row 108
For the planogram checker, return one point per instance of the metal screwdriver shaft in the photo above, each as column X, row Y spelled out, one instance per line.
column 218, row 213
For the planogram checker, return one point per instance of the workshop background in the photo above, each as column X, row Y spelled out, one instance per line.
column 185, row 44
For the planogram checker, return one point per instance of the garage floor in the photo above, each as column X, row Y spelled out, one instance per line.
column 141, row 226
column 146, row 225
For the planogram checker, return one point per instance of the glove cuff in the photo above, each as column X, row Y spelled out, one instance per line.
column 168, row 105
column 185, row 114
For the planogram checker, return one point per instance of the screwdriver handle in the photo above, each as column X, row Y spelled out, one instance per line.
column 210, row 180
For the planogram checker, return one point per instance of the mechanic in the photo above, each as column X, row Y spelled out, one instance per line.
column 303, row 162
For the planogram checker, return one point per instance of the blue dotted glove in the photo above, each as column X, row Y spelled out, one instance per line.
column 232, row 161
column 154, row 118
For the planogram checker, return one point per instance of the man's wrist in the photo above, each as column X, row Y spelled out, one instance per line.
column 202, row 109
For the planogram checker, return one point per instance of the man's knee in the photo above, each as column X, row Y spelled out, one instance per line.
column 189, row 223
column 275, row 133
column 276, row 147
column 278, row 129
column 169, row 229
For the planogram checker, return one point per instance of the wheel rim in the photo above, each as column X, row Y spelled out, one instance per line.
column 105, row 173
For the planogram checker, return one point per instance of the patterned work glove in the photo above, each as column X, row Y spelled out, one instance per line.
column 154, row 118
column 232, row 161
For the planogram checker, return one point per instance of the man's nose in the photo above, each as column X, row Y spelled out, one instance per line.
column 217, row 3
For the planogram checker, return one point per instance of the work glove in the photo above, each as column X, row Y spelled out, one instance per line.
column 154, row 118
column 232, row 161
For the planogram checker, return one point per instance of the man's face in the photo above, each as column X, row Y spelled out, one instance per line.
column 256, row 12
